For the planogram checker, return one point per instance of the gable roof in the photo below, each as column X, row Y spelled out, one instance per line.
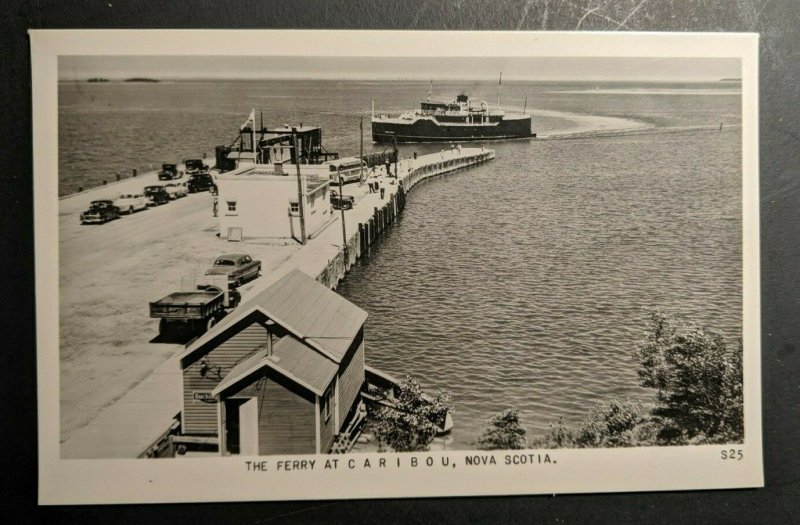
column 313, row 313
column 290, row 358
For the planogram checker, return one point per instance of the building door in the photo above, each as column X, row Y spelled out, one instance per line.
column 241, row 426
column 248, row 427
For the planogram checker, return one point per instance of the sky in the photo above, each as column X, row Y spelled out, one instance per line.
column 380, row 68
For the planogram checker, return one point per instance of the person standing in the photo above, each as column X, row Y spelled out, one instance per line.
column 383, row 190
column 216, row 199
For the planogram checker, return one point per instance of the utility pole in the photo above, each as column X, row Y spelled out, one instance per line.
column 300, row 193
column 396, row 155
column 344, row 227
column 361, row 150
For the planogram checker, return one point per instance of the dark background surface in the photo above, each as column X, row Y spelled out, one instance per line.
column 779, row 25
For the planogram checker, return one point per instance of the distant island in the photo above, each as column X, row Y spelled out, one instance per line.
column 97, row 79
column 731, row 80
column 141, row 79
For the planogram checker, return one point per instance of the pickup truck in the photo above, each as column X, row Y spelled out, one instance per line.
column 195, row 166
column 239, row 267
column 193, row 313
column 345, row 202
column 100, row 211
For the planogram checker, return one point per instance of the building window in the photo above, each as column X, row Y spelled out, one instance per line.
column 327, row 404
column 294, row 207
column 232, row 206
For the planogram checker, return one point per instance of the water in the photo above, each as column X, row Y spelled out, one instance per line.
column 524, row 282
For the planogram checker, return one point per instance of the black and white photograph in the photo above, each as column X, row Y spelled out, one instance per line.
column 388, row 266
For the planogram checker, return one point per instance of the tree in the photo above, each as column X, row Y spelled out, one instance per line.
column 413, row 420
column 504, row 431
column 698, row 382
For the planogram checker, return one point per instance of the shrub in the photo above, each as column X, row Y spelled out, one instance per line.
column 504, row 431
column 414, row 419
column 612, row 425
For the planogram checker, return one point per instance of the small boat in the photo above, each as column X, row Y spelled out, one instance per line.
column 381, row 389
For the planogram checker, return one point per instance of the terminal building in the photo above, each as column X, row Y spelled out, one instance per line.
column 261, row 202
column 260, row 193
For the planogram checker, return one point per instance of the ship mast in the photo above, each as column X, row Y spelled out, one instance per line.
column 430, row 90
column 498, row 90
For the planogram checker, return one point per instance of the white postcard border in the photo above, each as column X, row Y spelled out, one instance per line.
column 227, row 479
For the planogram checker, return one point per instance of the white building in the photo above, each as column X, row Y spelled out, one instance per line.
column 258, row 201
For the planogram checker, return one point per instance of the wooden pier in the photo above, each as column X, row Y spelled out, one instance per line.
column 410, row 172
column 120, row 387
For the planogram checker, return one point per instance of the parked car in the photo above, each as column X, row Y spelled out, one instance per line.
column 100, row 211
column 345, row 202
column 131, row 202
column 157, row 195
column 176, row 190
column 195, row 166
column 239, row 268
column 199, row 182
column 169, row 172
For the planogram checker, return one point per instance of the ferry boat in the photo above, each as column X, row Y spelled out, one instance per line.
column 459, row 120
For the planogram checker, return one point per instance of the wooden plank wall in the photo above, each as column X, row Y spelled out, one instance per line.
column 351, row 377
column 286, row 417
column 327, row 429
column 200, row 417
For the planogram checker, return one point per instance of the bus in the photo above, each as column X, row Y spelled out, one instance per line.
column 349, row 168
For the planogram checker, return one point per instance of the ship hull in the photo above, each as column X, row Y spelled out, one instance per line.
column 427, row 130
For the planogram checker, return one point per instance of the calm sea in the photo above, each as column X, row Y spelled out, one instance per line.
column 521, row 283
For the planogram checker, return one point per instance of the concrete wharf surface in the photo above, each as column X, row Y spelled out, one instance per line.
column 120, row 386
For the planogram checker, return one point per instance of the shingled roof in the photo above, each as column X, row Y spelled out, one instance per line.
column 309, row 310
column 291, row 358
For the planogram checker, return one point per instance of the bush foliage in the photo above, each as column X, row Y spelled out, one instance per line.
column 504, row 431
column 414, row 419
column 698, row 386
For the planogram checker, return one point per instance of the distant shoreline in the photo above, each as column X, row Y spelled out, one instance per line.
column 141, row 79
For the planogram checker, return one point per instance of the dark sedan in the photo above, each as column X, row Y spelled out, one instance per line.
column 156, row 194
column 99, row 212
column 199, row 182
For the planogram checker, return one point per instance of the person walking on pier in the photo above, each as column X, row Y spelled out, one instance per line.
column 383, row 190
column 216, row 200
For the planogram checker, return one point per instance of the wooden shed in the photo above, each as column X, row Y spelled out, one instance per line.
column 281, row 374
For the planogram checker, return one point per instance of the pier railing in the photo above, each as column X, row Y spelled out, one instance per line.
column 410, row 172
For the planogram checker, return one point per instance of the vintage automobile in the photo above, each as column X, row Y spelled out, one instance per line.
column 131, row 202
column 100, row 211
column 176, row 190
column 239, row 267
column 345, row 202
column 168, row 172
column 157, row 195
column 195, row 166
column 199, row 182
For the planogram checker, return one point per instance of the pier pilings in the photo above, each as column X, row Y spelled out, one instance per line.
column 409, row 172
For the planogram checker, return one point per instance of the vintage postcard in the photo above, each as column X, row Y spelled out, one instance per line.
column 280, row 265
